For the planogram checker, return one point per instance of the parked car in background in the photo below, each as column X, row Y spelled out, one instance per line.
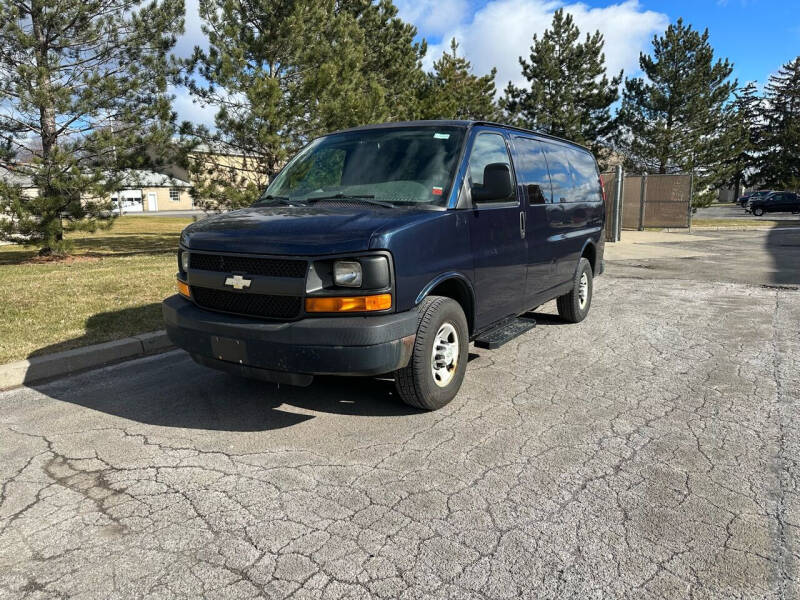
column 751, row 195
column 775, row 202
column 387, row 249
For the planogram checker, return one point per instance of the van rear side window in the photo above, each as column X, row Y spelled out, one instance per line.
column 532, row 170
column 573, row 173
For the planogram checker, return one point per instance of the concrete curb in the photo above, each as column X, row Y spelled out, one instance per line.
column 49, row 366
column 728, row 228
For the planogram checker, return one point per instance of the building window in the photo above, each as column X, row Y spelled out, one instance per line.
column 174, row 194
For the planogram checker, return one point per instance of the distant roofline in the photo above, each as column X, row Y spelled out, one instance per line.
column 466, row 124
column 146, row 178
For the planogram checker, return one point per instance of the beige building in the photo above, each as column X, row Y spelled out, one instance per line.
column 23, row 180
column 220, row 161
column 146, row 191
column 140, row 191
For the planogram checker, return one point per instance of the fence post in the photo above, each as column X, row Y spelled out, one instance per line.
column 691, row 197
column 619, row 175
column 642, row 197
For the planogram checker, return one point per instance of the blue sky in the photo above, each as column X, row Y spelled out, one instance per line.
column 735, row 25
column 758, row 36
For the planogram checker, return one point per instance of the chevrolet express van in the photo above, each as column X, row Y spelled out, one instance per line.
column 387, row 249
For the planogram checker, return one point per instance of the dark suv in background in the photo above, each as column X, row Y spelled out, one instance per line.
column 774, row 202
column 752, row 196
column 387, row 249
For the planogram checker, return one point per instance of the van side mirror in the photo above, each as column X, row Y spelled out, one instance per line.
column 496, row 184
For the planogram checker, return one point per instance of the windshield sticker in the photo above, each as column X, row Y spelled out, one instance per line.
column 441, row 136
column 437, row 191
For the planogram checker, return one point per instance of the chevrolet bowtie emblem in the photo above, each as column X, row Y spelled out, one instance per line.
column 238, row 282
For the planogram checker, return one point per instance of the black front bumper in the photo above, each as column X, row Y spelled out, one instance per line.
column 291, row 352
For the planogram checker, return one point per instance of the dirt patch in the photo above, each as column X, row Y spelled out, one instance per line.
column 66, row 260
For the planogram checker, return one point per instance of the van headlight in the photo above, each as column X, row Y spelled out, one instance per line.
column 367, row 273
column 347, row 273
column 184, row 260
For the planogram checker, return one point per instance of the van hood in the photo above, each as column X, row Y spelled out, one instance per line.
column 298, row 230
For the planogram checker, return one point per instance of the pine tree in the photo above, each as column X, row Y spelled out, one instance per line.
column 82, row 96
column 454, row 92
column 283, row 73
column 741, row 126
column 671, row 117
column 568, row 93
column 779, row 159
column 393, row 60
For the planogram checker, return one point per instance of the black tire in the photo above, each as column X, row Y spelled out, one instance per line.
column 758, row 211
column 570, row 306
column 415, row 383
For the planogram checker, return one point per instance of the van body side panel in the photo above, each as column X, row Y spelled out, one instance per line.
column 584, row 221
column 425, row 250
column 499, row 255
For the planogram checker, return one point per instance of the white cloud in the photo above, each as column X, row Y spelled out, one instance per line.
column 192, row 35
column 493, row 36
column 432, row 17
column 189, row 109
column 502, row 31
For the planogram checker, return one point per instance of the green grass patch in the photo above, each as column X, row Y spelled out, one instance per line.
column 743, row 223
column 110, row 287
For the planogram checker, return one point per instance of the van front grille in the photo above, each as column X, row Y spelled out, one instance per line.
column 270, row 267
column 254, row 305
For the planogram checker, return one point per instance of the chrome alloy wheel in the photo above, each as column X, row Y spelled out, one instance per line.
column 583, row 291
column 444, row 357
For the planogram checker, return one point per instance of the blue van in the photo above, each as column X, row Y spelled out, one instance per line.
column 387, row 249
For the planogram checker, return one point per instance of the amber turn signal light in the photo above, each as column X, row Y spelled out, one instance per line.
column 183, row 289
column 349, row 303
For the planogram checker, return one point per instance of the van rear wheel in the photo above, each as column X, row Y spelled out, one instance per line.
column 574, row 306
column 436, row 369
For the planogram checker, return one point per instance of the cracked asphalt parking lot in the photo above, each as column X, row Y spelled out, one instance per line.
column 649, row 452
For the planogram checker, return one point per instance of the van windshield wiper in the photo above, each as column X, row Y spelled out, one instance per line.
column 365, row 198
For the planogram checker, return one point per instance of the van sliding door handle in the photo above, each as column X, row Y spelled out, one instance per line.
column 522, row 224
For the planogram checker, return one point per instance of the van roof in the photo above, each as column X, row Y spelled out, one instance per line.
column 467, row 124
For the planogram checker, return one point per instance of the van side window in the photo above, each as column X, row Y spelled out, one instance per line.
column 560, row 176
column 532, row 170
column 488, row 150
column 573, row 173
column 585, row 176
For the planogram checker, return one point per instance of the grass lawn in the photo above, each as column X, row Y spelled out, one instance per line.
column 110, row 287
column 743, row 223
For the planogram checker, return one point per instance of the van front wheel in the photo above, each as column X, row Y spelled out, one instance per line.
column 436, row 369
column 574, row 306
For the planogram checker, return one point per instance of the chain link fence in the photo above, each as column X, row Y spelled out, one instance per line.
column 640, row 201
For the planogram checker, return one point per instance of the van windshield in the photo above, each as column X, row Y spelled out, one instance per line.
column 402, row 166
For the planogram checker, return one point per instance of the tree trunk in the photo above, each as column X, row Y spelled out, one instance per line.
column 47, row 111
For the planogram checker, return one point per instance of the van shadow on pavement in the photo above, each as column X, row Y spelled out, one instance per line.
column 170, row 390
column 784, row 247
